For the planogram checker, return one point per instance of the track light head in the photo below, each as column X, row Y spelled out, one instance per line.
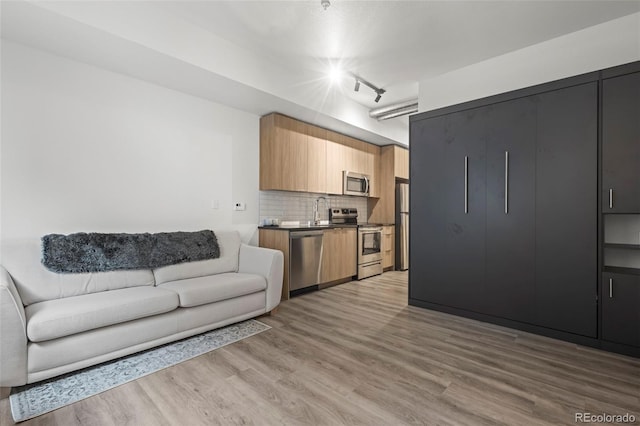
column 379, row 93
column 359, row 80
column 325, row 4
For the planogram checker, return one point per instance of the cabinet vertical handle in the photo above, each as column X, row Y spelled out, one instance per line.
column 506, row 182
column 610, row 198
column 610, row 288
column 466, row 184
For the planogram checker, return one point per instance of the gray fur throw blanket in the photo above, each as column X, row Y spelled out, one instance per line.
column 93, row 252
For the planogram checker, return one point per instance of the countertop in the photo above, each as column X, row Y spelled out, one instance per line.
column 321, row 227
column 307, row 228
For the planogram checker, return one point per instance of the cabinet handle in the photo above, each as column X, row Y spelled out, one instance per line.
column 610, row 198
column 466, row 184
column 610, row 288
column 506, row 182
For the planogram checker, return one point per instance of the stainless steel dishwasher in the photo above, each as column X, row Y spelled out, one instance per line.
column 305, row 254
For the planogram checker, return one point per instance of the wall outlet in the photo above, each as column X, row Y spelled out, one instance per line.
column 239, row 206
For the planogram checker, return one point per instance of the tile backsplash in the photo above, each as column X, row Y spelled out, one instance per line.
column 284, row 205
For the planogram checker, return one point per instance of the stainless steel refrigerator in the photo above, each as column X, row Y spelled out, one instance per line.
column 402, row 226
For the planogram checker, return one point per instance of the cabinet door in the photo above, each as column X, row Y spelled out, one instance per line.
column 329, row 269
column 340, row 248
column 373, row 161
column 336, row 162
column 349, row 252
column 401, row 162
column 360, row 161
column 279, row 240
column 621, row 144
column 510, row 220
column 316, row 159
column 566, row 210
column 388, row 246
column 621, row 308
column 448, row 210
column 283, row 154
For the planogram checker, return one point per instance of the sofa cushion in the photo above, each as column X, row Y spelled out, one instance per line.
column 35, row 283
column 213, row 288
column 229, row 242
column 62, row 317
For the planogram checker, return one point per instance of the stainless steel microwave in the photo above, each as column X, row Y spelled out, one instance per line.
column 355, row 184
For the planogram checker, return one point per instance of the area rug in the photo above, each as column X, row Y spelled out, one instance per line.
column 42, row 397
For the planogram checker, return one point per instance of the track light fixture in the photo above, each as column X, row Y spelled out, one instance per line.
column 325, row 4
column 379, row 91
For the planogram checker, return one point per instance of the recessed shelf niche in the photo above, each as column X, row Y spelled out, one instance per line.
column 622, row 243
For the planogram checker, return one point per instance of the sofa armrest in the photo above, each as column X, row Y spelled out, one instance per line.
column 266, row 262
column 13, row 334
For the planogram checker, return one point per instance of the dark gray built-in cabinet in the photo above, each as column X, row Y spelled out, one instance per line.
column 620, row 284
column 620, row 144
column 506, row 224
column 621, row 308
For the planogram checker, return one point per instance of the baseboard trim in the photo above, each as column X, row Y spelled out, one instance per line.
column 543, row 331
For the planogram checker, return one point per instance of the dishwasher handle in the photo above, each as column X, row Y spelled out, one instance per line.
column 305, row 234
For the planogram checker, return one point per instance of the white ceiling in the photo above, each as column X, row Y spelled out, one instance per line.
column 393, row 44
column 283, row 49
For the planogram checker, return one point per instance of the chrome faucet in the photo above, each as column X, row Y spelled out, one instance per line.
column 316, row 213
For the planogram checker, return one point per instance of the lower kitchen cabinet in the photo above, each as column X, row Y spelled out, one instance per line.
column 339, row 254
column 621, row 308
column 278, row 240
column 388, row 247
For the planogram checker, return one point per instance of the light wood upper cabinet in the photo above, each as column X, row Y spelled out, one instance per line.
column 283, row 154
column 296, row 156
column 393, row 163
column 336, row 162
column 382, row 209
column 401, row 160
column 316, row 159
column 339, row 253
column 373, row 167
column 346, row 153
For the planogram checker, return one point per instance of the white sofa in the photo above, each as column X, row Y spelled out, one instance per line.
column 53, row 323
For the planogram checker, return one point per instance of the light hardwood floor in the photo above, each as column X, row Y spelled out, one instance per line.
column 357, row 354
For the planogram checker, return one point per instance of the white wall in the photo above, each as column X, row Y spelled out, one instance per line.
column 85, row 149
column 613, row 43
column 154, row 44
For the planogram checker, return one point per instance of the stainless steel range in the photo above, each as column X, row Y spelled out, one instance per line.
column 369, row 241
column 343, row 216
column 369, row 251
